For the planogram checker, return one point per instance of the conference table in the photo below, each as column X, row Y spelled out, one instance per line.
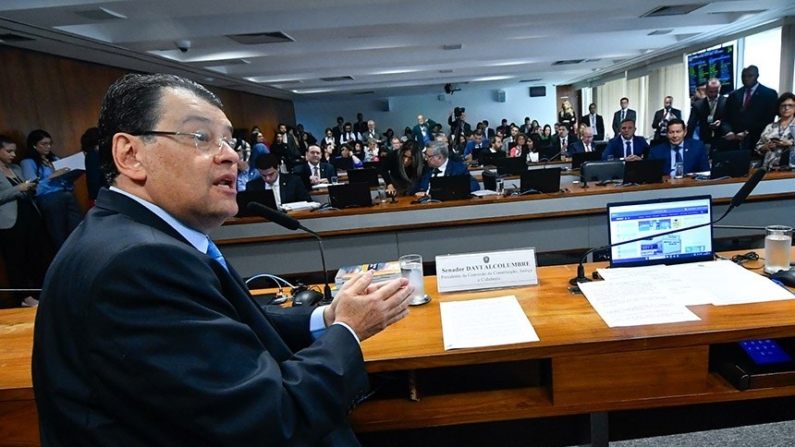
column 580, row 366
column 569, row 221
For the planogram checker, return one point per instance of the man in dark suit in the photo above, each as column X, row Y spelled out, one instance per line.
column 488, row 132
column 475, row 146
column 583, row 145
column 286, row 188
column 314, row 171
column 145, row 335
column 748, row 110
column 678, row 149
column 360, row 126
column 422, row 130
column 440, row 165
column 595, row 122
column 660, row 121
column 626, row 145
column 562, row 140
column 706, row 115
column 624, row 113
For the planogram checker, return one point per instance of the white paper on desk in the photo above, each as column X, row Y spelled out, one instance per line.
column 626, row 303
column 730, row 283
column 320, row 186
column 679, row 289
column 485, row 322
column 73, row 162
column 297, row 206
column 484, row 192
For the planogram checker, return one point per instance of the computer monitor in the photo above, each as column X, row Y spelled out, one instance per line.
column 548, row 153
column 342, row 163
column 730, row 164
column 540, row 180
column 264, row 197
column 372, row 164
column 510, row 165
column 631, row 220
column 365, row 175
column 453, row 187
column 351, row 195
column 597, row 171
column 578, row 158
column 643, row 171
column 489, row 180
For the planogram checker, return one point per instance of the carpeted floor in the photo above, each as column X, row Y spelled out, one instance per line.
column 779, row 434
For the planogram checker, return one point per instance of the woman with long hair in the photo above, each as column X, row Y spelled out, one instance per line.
column 567, row 117
column 54, row 196
column 403, row 169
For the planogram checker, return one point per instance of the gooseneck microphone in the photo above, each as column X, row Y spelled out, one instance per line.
column 293, row 224
column 737, row 200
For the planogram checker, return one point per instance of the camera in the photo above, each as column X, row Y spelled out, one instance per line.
column 183, row 45
column 458, row 111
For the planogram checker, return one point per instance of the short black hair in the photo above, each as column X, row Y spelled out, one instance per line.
column 671, row 122
column 267, row 161
column 132, row 105
column 5, row 140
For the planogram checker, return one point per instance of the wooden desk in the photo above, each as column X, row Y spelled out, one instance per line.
column 557, row 222
column 579, row 366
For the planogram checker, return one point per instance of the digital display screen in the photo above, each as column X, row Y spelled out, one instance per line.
column 717, row 63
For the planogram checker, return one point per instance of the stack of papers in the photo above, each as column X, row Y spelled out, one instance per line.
column 298, row 206
column 485, row 322
column 659, row 294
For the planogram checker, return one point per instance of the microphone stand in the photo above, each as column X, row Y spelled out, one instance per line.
column 326, row 288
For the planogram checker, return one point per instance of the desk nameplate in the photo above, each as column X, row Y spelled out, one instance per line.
column 486, row 270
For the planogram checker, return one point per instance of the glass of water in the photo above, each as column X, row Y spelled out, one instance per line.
column 334, row 179
column 778, row 244
column 411, row 268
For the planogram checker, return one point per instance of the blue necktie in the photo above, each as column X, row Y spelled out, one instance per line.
column 678, row 154
column 629, row 149
column 214, row 253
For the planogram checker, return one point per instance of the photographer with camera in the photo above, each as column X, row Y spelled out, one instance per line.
column 458, row 123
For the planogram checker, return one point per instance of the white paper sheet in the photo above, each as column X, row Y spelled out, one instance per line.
column 73, row 162
column 485, row 322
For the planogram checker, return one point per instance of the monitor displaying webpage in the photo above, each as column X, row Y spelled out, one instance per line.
column 649, row 220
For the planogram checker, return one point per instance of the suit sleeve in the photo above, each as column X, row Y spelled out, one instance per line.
column 167, row 343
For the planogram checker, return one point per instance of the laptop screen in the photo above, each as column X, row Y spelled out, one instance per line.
column 364, row 175
column 632, row 220
column 454, row 187
column 264, row 197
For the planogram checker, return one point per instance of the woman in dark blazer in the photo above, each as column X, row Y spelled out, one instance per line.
column 23, row 240
column 403, row 169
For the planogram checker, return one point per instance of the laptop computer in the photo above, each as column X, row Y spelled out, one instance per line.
column 631, row 220
column 264, row 197
column 643, row 171
column 487, row 158
column 372, row 164
column 342, row 164
column 730, row 164
column 510, row 166
column 489, row 180
column 454, row 187
column 364, row 175
column 597, row 171
column 351, row 195
column 541, row 181
column 578, row 158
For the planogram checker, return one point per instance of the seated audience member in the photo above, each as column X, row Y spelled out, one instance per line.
column 520, row 147
column 422, row 130
column 402, row 169
column 460, row 146
column 439, row 165
column 508, row 141
column 372, row 134
column 678, row 149
column 372, row 152
column 246, row 171
column 546, row 134
column 287, row 188
column 474, row 146
column 348, row 135
column 314, row 171
column 23, row 240
column 54, row 196
column 328, row 153
column 494, row 151
column 328, row 140
column 389, row 136
column 626, row 145
column 347, row 152
column 358, row 150
column 583, row 145
column 778, row 135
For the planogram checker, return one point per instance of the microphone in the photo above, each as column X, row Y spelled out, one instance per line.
column 293, row 224
column 737, row 200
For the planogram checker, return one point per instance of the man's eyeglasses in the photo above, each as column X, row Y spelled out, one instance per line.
column 203, row 141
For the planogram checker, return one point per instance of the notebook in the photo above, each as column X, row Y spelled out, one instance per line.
column 730, row 164
column 264, row 197
column 631, row 220
column 366, row 175
column 351, row 195
column 540, row 180
column 454, row 187
column 643, row 171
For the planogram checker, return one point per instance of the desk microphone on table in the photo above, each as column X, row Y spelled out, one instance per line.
column 736, row 201
column 293, row 224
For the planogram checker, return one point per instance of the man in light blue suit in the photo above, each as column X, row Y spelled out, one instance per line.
column 677, row 149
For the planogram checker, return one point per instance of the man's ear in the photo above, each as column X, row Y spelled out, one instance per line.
column 126, row 156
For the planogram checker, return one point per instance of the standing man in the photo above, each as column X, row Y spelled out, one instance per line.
column 626, row 145
column 706, row 114
column 422, row 130
column 625, row 113
column 145, row 335
column 437, row 157
column 678, row 149
column 360, row 126
column 661, row 118
column 748, row 110
column 595, row 122
column 314, row 171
